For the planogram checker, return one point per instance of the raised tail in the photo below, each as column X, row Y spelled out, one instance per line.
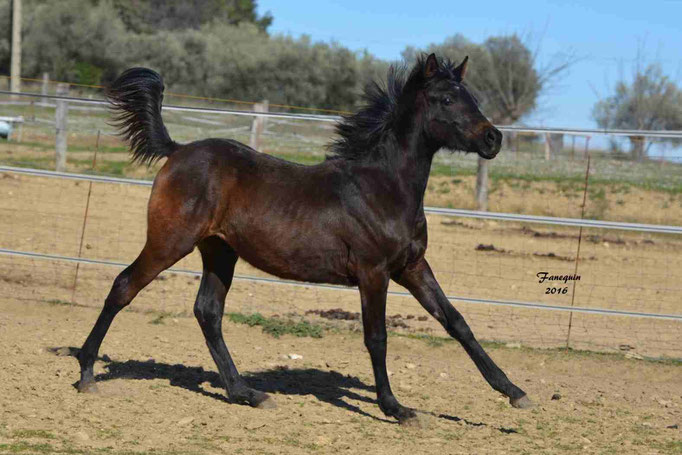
column 136, row 98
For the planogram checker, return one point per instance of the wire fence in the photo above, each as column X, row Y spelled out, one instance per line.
column 669, row 134
column 557, row 145
column 489, row 263
column 45, row 83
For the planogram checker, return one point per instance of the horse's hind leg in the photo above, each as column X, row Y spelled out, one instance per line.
column 153, row 259
column 219, row 261
column 373, row 286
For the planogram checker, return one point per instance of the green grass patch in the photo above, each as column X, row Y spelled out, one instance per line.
column 115, row 168
column 570, row 175
column 431, row 340
column 106, row 149
column 160, row 318
column 33, row 163
column 671, row 446
column 438, row 341
column 300, row 158
column 121, row 149
column 578, row 353
column 278, row 327
column 30, row 434
column 515, row 175
column 26, row 447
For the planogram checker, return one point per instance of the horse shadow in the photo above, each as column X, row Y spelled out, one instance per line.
column 327, row 386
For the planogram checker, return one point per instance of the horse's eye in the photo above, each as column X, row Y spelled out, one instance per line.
column 447, row 100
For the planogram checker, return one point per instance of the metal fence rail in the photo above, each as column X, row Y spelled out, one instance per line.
column 575, row 222
column 509, row 303
column 653, row 228
column 74, row 99
column 672, row 134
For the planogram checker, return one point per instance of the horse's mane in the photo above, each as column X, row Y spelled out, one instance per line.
column 360, row 133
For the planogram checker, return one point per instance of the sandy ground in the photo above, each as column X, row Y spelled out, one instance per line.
column 159, row 393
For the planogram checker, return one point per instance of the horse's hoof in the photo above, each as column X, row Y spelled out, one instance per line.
column 408, row 418
column 522, row 402
column 87, row 387
column 412, row 421
column 267, row 403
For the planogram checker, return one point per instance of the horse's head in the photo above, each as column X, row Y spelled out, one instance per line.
column 452, row 118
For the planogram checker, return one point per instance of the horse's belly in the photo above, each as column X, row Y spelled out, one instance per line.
column 296, row 256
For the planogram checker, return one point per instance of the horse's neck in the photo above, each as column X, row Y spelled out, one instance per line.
column 404, row 168
column 414, row 166
column 405, row 164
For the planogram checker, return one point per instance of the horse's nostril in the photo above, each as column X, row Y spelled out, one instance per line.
column 490, row 138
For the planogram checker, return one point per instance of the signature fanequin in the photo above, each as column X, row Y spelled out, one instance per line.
column 545, row 276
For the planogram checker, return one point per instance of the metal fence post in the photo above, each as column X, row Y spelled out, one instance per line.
column 61, row 118
column 85, row 221
column 577, row 254
column 482, row 185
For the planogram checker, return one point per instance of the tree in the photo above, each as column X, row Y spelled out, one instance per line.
column 241, row 62
column 503, row 73
column 371, row 69
column 195, row 48
column 149, row 16
column 91, row 44
column 73, row 43
column 650, row 102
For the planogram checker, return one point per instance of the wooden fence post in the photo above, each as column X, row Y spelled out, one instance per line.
column 514, row 143
column 548, row 146
column 15, row 50
column 44, row 88
column 258, row 126
column 556, row 143
column 61, row 118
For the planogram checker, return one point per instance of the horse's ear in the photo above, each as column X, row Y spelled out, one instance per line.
column 461, row 70
column 431, row 66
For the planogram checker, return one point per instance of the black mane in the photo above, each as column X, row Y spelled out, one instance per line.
column 361, row 133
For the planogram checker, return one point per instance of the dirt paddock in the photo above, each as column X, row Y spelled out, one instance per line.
column 159, row 393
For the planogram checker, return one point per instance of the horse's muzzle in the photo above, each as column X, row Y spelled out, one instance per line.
column 490, row 144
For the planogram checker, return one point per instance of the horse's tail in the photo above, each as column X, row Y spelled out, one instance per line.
column 136, row 98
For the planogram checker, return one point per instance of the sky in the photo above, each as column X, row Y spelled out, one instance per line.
column 605, row 37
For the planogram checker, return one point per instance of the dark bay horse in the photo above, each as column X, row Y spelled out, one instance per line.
column 357, row 219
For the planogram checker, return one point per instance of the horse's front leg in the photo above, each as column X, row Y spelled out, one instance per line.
column 373, row 286
column 419, row 280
